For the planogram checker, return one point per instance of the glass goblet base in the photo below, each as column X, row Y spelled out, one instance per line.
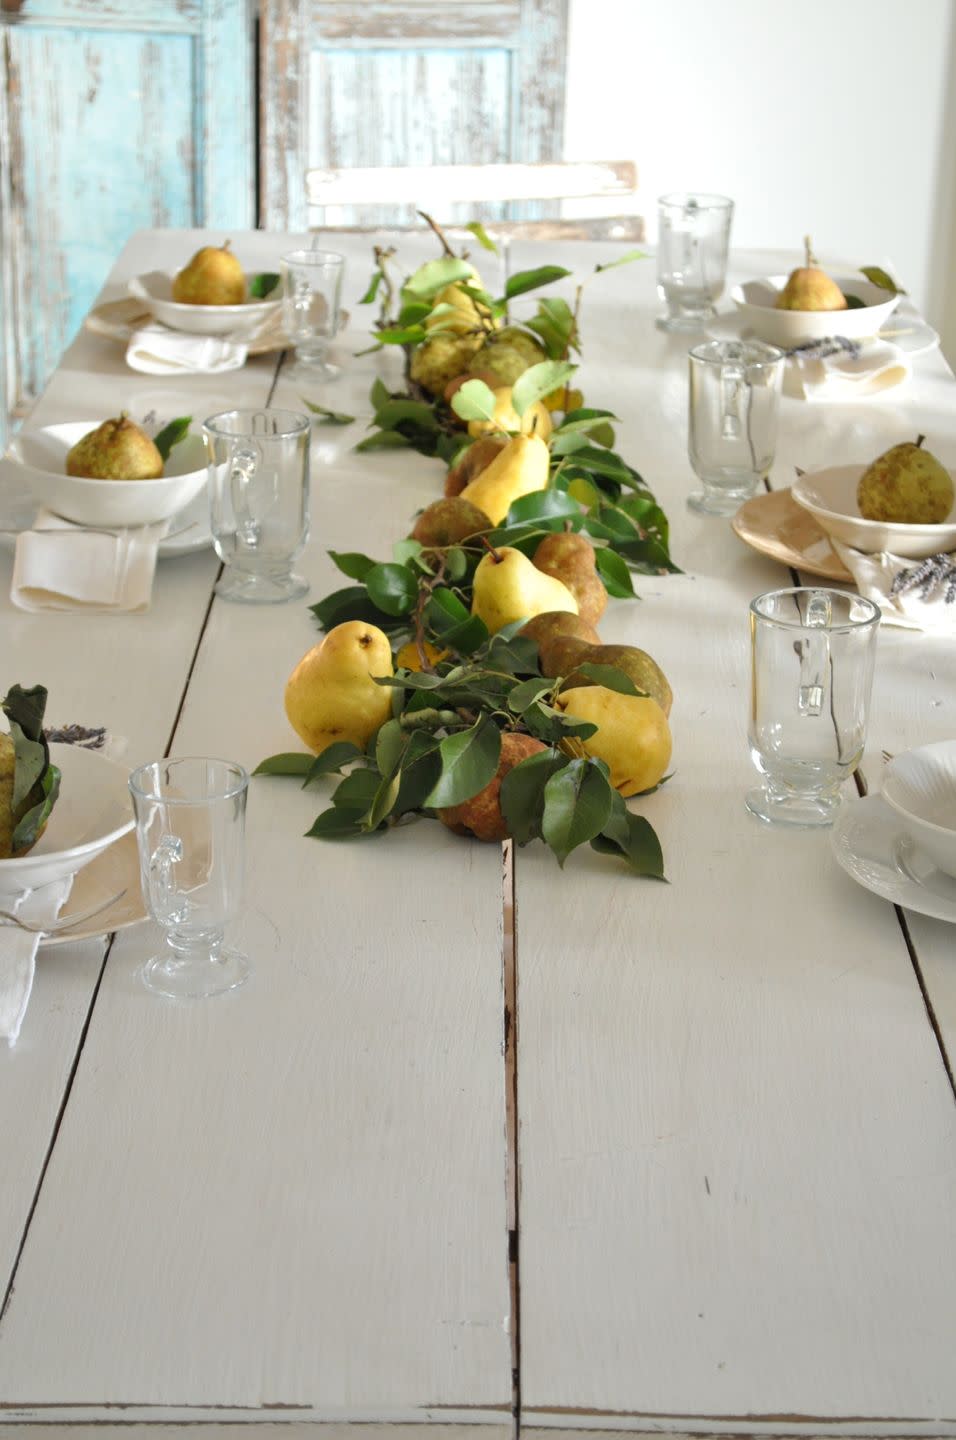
column 314, row 366
column 249, row 587
column 195, row 975
column 776, row 807
column 714, row 501
column 685, row 322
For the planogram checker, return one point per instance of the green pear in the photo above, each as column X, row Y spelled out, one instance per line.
column 438, row 361
column 571, row 558
column 331, row 694
column 522, row 467
column 636, row 664
column 212, row 277
column 810, row 288
column 633, row 737
column 507, row 587
column 116, row 450
column 509, row 354
column 906, row 486
column 448, row 522
column 561, row 638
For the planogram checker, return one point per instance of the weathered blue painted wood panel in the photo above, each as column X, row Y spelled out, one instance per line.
column 112, row 118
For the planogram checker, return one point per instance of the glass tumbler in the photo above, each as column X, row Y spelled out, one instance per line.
column 190, row 829
column 812, row 656
column 258, row 463
column 734, row 396
column 311, row 302
column 693, row 237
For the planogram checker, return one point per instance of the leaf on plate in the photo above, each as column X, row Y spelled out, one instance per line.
column 263, row 284
column 172, row 434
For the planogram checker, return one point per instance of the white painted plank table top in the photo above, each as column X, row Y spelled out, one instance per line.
column 728, row 1201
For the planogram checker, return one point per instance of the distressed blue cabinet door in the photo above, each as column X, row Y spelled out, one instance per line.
column 112, row 118
column 406, row 82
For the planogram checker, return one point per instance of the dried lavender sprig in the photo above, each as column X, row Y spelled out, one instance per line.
column 89, row 738
column 822, row 349
column 928, row 575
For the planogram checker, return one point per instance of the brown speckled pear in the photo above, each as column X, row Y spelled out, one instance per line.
column 212, row 277
column 810, row 288
column 116, row 450
column 906, row 486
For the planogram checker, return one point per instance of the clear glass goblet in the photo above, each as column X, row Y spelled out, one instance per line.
column 190, row 830
column 311, row 305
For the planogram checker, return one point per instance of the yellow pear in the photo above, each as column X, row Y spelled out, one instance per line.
column 633, row 737
column 536, row 420
column 507, row 587
column 810, row 288
column 522, row 467
column 212, row 277
column 116, row 450
column 463, row 318
column 331, row 695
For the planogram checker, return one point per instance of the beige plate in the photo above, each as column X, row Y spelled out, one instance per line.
column 117, row 319
column 117, row 868
column 777, row 526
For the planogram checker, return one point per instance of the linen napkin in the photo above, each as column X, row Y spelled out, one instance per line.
column 917, row 594
column 61, row 566
column 873, row 369
column 156, row 350
column 18, row 949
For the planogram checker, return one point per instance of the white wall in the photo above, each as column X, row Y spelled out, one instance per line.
column 827, row 117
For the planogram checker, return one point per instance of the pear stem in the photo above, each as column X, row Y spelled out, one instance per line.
column 919, row 440
column 808, row 246
column 439, row 232
column 490, row 548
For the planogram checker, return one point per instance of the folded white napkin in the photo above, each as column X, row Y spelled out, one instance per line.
column 18, row 950
column 156, row 350
column 61, row 566
column 878, row 367
column 911, row 593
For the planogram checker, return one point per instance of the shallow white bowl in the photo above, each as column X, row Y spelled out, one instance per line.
column 93, row 810
column 757, row 299
column 242, row 322
column 830, row 497
column 42, row 454
column 921, row 787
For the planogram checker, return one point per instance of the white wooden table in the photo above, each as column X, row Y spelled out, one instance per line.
column 685, row 1161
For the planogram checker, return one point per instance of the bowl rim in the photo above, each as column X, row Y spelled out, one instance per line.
column 245, row 307
column 144, row 487
column 740, row 300
column 927, row 528
column 943, row 831
column 20, row 863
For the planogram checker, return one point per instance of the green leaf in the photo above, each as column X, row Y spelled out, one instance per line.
column 602, row 462
column 378, row 394
column 372, row 290
column 30, row 760
column 327, row 417
column 610, row 677
column 476, row 228
column 27, row 708
column 527, row 692
column 389, row 745
column 614, row 572
column 405, row 550
column 853, row 302
column 382, row 803
column 420, row 768
column 352, row 563
column 351, row 603
column 28, row 828
column 554, row 340
column 562, row 443
column 878, row 276
column 384, row 440
column 392, row 588
column 337, row 824
column 522, row 793
column 288, row 763
column 558, row 311
column 262, row 285
column 445, row 606
column 357, row 791
column 171, row 435
column 473, row 401
column 414, row 312
column 515, row 654
column 635, row 840
column 577, row 805
column 526, row 280
column 332, row 759
column 400, row 335
column 393, row 412
column 469, row 760
column 456, row 563
column 584, row 419
column 539, row 380
column 543, row 505
column 625, row 259
column 433, row 276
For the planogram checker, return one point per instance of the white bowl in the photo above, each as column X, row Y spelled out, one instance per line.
column 757, row 300
column 242, row 322
column 921, row 787
column 93, row 809
column 830, row 497
column 42, row 454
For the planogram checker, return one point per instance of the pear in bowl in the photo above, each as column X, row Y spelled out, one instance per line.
column 116, row 450
column 906, row 485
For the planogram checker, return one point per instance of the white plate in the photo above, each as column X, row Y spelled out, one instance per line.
column 905, row 329
column 240, row 322
column 189, row 530
column 873, row 847
column 830, row 497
